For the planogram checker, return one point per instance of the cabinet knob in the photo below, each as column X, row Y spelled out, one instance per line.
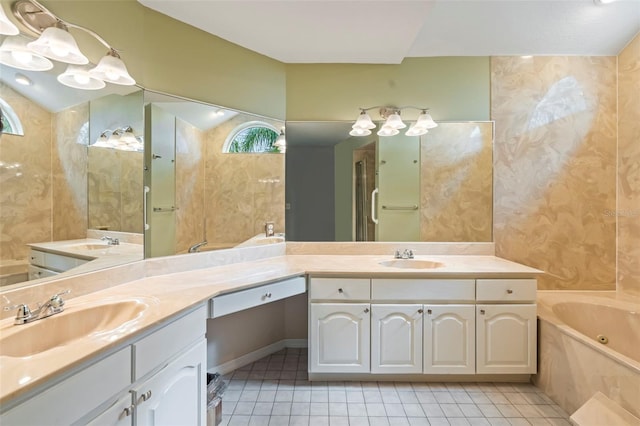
column 481, row 311
column 420, row 311
column 340, row 290
column 429, row 311
column 509, row 291
column 267, row 295
column 366, row 310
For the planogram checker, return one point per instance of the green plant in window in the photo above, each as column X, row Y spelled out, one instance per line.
column 254, row 139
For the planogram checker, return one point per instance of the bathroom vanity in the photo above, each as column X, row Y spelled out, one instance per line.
column 367, row 327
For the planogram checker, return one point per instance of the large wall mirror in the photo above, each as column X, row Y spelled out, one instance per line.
column 72, row 176
column 437, row 187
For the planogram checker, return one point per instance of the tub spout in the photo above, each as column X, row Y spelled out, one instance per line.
column 196, row 247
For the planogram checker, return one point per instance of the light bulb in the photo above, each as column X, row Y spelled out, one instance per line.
column 22, row 56
column 81, row 78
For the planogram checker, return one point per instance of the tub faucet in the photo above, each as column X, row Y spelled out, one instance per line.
column 111, row 241
column 196, row 247
column 25, row 315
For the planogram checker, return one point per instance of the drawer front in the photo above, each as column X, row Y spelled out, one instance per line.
column 60, row 263
column 155, row 349
column 87, row 389
column 249, row 298
column 36, row 272
column 37, row 257
column 506, row 290
column 423, row 289
column 340, row 289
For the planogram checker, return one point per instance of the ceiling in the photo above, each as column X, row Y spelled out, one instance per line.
column 387, row 31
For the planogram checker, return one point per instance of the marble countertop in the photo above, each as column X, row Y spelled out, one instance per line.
column 169, row 294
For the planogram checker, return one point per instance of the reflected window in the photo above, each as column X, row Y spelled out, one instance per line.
column 252, row 137
column 9, row 121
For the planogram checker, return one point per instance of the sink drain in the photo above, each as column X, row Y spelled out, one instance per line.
column 602, row 339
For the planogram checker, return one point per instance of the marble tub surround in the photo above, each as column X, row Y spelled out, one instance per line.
column 628, row 208
column 555, row 167
column 572, row 366
column 178, row 291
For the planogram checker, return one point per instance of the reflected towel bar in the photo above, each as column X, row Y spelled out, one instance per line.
column 164, row 209
column 412, row 207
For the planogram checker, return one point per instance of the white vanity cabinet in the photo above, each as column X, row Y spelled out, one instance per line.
column 506, row 332
column 159, row 378
column 422, row 326
column 44, row 264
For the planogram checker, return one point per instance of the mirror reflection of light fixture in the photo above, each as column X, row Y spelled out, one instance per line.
column 281, row 142
column 57, row 43
column 6, row 26
column 122, row 139
column 23, row 79
column 393, row 122
column 15, row 53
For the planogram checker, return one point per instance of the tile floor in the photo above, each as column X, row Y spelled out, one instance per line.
column 274, row 391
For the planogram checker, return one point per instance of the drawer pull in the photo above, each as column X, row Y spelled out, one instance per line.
column 267, row 295
column 420, row 311
column 429, row 311
column 340, row 290
column 127, row 411
column 145, row 397
column 509, row 291
column 366, row 310
column 481, row 311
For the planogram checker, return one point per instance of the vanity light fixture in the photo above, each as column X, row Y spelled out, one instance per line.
column 56, row 42
column 122, row 139
column 393, row 122
column 6, row 26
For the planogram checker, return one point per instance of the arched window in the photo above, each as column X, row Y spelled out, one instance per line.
column 11, row 124
column 252, row 137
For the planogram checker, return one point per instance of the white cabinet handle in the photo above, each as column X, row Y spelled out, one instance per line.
column 374, row 201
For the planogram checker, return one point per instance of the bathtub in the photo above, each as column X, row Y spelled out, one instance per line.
column 589, row 341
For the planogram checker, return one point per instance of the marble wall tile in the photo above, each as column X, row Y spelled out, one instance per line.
column 69, row 172
column 628, row 210
column 25, row 178
column 189, row 186
column 555, row 167
column 456, row 183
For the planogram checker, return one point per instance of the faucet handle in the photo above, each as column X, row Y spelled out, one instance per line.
column 397, row 255
column 56, row 302
column 23, row 314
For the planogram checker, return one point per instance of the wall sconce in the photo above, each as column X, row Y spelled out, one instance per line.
column 393, row 122
column 121, row 139
column 57, row 43
column 281, row 142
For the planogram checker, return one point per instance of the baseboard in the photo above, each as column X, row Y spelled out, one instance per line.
column 254, row 356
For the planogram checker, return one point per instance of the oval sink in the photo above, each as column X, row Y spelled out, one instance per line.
column 66, row 327
column 412, row 264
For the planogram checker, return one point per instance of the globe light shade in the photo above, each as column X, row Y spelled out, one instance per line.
column 78, row 77
column 387, row 131
column 364, row 122
column 416, row 131
column 112, row 70
column 6, row 26
column 56, row 43
column 395, row 122
column 425, row 121
column 15, row 53
column 357, row 131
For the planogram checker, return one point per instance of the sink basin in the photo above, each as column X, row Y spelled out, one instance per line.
column 96, row 321
column 83, row 246
column 412, row 264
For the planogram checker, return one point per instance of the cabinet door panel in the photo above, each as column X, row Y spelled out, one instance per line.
column 506, row 339
column 175, row 395
column 339, row 334
column 449, row 339
column 119, row 414
column 396, row 338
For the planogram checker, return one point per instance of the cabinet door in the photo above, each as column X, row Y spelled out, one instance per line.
column 506, row 339
column 339, row 338
column 176, row 395
column 449, row 339
column 396, row 338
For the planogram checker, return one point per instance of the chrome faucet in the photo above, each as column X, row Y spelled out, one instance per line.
column 25, row 315
column 406, row 254
column 196, row 247
column 111, row 241
column 269, row 229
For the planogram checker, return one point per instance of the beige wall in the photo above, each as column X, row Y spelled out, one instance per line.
column 455, row 88
column 555, row 167
column 629, row 168
column 43, row 177
column 234, row 193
